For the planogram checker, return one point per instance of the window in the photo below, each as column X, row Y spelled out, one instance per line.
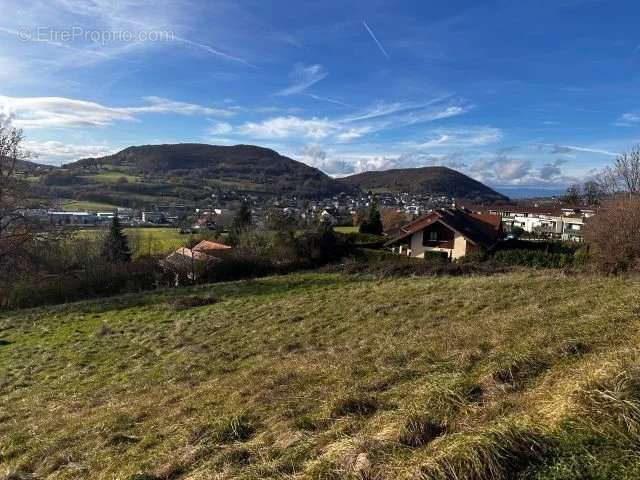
column 433, row 236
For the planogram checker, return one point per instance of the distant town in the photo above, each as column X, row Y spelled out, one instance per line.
column 545, row 218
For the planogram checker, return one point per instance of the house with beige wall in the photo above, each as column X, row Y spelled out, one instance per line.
column 452, row 232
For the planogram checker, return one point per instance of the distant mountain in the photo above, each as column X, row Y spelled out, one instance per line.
column 27, row 166
column 244, row 168
column 425, row 180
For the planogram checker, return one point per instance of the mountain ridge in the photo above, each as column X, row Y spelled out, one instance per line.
column 433, row 180
column 193, row 169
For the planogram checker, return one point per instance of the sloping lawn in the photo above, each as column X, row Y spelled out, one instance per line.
column 527, row 375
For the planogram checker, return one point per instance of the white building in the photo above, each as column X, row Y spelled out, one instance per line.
column 566, row 224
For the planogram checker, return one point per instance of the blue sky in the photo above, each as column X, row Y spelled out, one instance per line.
column 512, row 93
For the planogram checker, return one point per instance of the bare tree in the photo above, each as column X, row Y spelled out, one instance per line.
column 14, row 226
column 592, row 193
column 572, row 196
column 623, row 175
column 608, row 181
column 627, row 169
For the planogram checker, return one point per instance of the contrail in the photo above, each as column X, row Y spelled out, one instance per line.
column 186, row 41
column 375, row 39
column 213, row 51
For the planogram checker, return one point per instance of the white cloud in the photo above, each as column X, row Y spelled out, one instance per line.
column 315, row 156
column 291, row 126
column 302, row 77
column 375, row 162
column 60, row 112
column 56, row 153
column 511, row 168
column 352, row 133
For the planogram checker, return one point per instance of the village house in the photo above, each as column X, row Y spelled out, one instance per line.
column 192, row 262
column 451, row 232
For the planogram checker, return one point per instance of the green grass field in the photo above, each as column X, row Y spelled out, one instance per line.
column 149, row 241
column 325, row 376
column 82, row 206
column 111, row 177
column 346, row 229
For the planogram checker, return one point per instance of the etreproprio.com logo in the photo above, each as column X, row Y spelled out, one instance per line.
column 81, row 34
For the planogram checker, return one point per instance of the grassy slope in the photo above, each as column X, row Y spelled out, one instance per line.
column 325, row 376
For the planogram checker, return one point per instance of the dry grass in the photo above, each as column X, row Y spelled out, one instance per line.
column 328, row 376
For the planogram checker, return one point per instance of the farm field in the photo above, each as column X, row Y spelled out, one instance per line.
column 112, row 177
column 530, row 375
column 81, row 206
column 346, row 229
column 149, row 241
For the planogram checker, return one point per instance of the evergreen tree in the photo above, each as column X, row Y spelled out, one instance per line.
column 116, row 247
column 241, row 223
column 372, row 222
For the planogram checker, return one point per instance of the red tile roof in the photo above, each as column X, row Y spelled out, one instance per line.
column 481, row 229
column 209, row 246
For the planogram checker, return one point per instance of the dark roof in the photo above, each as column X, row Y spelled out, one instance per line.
column 481, row 229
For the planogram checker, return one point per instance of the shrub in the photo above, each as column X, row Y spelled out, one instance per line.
column 237, row 266
column 613, row 235
column 96, row 279
column 402, row 267
column 533, row 259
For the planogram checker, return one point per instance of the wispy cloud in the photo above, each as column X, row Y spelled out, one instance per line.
column 60, row 112
column 220, row 128
column 346, row 129
column 383, row 109
column 460, row 137
column 302, row 77
column 375, row 39
column 628, row 119
column 174, row 23
column 555, row 148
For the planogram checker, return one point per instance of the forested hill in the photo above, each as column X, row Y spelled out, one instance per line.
column 241, row 167
column 425, row 180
